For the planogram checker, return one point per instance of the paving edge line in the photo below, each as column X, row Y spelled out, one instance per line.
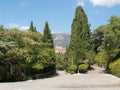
column 90, row 86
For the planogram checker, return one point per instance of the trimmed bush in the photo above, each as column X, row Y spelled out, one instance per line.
column 83, row 68
column 115, row 68
column 72, row 69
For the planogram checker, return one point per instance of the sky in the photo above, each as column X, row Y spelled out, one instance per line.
column 58, row 13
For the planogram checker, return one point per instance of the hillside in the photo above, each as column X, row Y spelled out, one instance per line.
column 61, row 39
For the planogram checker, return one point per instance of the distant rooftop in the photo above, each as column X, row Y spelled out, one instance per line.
column 60, row 50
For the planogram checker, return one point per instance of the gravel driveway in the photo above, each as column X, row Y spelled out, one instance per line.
column 94, row 80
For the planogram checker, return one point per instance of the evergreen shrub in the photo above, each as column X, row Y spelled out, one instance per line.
column 115, row 68
column 83, row 68
column 72, row 69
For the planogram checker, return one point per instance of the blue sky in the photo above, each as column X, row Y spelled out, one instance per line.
column 59, row 13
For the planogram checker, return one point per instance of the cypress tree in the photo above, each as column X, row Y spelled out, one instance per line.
column 79, row 41
column 32, row 28
column 47, row 38
column 1, row 27
column 35, row 29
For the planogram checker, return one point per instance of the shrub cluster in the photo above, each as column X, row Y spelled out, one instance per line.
column 83, row 68
column 24, row 56
column 72, row 69
column 115, row 68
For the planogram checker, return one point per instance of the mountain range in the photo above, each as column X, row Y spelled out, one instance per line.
column 61, row 39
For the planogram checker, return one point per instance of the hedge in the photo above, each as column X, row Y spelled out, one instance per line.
column 115, row 68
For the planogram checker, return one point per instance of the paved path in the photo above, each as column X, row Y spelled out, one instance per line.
column 95, row 80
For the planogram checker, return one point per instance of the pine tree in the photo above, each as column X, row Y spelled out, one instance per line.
column 1, row 27
column 79, row 41
column 35, row 29
column 47, row 38
column 32, row 28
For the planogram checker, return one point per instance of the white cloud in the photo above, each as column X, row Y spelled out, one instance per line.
column 81, row 3
column 108, row 3
column 14, row 25
column 24, row 27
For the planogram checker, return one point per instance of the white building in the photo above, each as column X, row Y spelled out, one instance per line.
column 60, row 50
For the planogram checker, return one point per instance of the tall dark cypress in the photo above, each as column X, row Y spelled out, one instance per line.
column 1, row 27
column 47, row 38
column 32, row 28
column 80, row 34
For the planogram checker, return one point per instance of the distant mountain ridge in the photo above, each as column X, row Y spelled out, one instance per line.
column 61, row 39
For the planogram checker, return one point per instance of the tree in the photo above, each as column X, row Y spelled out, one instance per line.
column 107, row 42
column 112, row 40
column 32, row 28
column 4, row 46
column 98, row 36
column 80, row 35
column 47, row 38
column 1, row 27
column 22, row 56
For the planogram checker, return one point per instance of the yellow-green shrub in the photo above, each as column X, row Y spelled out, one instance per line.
column 115, row 68
column 83, row 68
column 72, row 69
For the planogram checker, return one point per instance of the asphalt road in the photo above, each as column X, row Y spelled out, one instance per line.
column 94, row 80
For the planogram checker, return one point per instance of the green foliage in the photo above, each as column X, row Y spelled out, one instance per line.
column 79, row 48
column 107, row 42
column 80, row 35
column 112, row 40
column 83, row 68
column 22, row 56
column 115, row 68
column 47, row 38
column 38, row 66
column 60, row 62
column 30, row 55
column 1, row 55
column 98, row 37
column 91, row 57
column 1, row 28
column 32, row 28
column 72, row 69
column 101, row 59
